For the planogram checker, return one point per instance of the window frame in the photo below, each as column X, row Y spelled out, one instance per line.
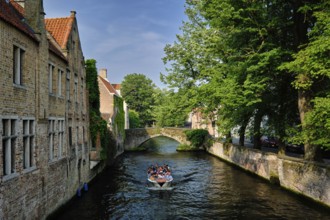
column 61, row 137
column 51, row 138
column 51, row 68
column 9, row 145
column 60, row 73
column 28, row 132
column 18, row 64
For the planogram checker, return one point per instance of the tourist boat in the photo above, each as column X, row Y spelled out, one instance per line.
column 160, row 176
column 160, row 181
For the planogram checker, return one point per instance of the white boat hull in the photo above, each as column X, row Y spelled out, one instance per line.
column 161, row 183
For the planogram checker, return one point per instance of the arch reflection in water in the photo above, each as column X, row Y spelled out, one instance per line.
column 161, row 144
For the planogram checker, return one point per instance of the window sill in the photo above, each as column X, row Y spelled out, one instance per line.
column 18, row 86
column 29, row 170
column 56, row 160
column 9, row 177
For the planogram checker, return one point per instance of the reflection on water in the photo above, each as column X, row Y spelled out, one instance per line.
column 204, row 188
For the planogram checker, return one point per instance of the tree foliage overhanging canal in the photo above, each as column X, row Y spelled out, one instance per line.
column 244, row 64
column 241, row 62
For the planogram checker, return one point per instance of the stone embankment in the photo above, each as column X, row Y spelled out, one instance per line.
column 309, row 179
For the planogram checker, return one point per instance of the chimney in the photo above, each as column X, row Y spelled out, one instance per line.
column 103, row 73
column 73, row 14
column 34, row 14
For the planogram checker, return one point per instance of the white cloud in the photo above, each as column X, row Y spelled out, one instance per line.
column 124, row 36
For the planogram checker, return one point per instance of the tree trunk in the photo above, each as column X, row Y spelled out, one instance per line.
column 228, row 138
column 304, row 104
column 242, row 132
column 256, row 130
column 301, row 27
column 281, row 147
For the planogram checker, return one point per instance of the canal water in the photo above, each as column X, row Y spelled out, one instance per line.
column 204, row 187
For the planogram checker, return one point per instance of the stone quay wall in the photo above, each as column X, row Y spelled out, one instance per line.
column 309, row 179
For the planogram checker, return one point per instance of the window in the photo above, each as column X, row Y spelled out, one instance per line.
column 18, row 65
column 28, row 143
column 82, row 92
column 68, row 85
column 9, row 143
column 77, row 136
column 76, row 89
column 83, row 134
column 60, row 137
column 50, row 77
column 51, row 137
column 59, row 82
column 70, row 136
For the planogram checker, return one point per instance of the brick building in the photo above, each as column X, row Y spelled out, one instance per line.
column 199, row 120
column 44, row 124
column 111, row 105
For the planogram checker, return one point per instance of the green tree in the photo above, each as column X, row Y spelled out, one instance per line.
column 170, row 109
column 311, row 68
column 134, row 119
column 137, row 90
column 251, row 60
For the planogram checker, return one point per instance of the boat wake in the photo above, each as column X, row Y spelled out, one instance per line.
column 160, row 188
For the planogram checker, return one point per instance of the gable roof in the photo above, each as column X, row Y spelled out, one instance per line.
column 12, row 13
column 108, row 86
column 18, row 7
column 60, row 29
column 116, row 86
column 53, row 47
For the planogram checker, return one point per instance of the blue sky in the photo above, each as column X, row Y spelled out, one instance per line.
column 124, row 36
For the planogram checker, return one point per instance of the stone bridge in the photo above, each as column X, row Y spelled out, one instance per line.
column 135, row 137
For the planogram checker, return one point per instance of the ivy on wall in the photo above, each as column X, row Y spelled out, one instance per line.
column 97, row 125
column 119, row 121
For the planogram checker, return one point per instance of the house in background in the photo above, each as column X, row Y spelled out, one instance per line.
column 112, row 109
column 44, row 124
column 198, row 120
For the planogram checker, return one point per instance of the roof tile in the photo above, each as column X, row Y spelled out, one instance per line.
column 60, row 29
column 109, row 86
column 12, row 13
column 116, row 86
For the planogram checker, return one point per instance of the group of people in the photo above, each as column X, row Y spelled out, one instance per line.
column 159, row 172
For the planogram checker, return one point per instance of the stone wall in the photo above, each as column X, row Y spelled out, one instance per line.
column 306, row 178
column 135, row 137
column 33, row 191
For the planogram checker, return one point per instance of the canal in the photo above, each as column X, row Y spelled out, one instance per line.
column 204, row 187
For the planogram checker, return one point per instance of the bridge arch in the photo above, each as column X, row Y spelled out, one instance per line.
column 135, row 137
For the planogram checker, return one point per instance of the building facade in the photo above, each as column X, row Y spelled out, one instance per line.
column 44, row 124
column 112, row 108
column 198, row 120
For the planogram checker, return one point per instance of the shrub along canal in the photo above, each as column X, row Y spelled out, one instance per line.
column 204, row 187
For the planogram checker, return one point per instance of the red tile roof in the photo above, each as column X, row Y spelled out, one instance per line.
column 12, row 13
column 116, row 86
column 60, row 29
column 109, row 86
